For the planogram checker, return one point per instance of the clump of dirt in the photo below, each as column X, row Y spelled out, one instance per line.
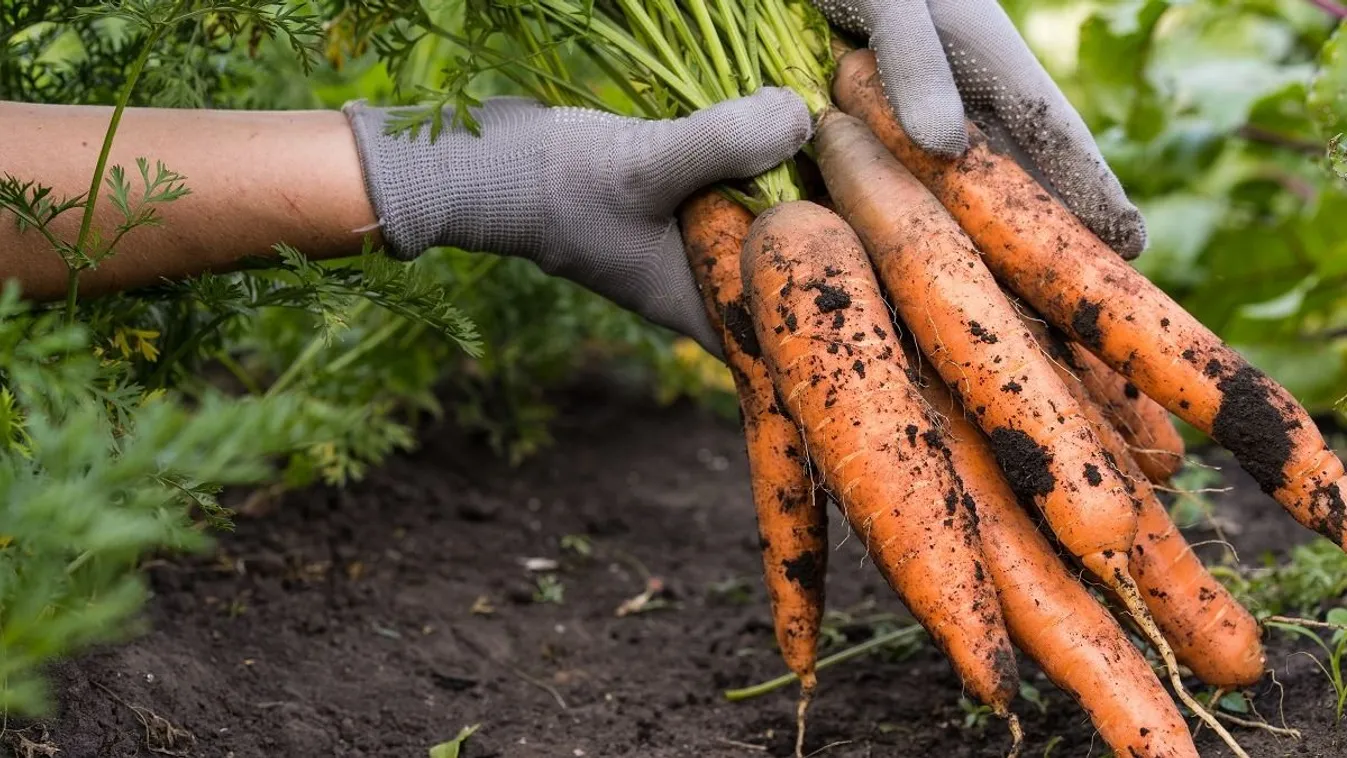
column 739, row 324
column 982, row 333
column 829, row 298
column 1092, row 475
column 1250, row 426
column 1025, row 463
column 1085, row 323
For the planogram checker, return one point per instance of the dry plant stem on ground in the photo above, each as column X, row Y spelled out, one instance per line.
column 792, row 511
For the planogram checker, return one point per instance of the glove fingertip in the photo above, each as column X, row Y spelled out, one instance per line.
column 1126, row 233
column 784, row 120
column 941, row 140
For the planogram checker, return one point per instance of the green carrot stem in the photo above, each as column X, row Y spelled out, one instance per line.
column 647, row 26
column 568, row 15
column 898, row 635
column 719, row 61
column 746, row 63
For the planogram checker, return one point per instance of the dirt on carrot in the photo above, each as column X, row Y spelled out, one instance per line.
column 957, row 314
column 1036, row 247
column 792, row 512
column 1051, row 616
column 1210, row 632
column 827, row 338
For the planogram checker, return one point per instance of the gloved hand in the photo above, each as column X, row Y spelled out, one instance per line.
column 940, row 59
column 586, row 195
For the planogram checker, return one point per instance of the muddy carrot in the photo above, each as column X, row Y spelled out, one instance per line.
column 1047, row 256
column 962, row 321
column 827, row 338
column 1211, row 633
column 792, row 512
column 1051, row 616
column 1144, row 424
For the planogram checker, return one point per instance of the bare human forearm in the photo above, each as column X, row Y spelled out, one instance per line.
column 256, row 179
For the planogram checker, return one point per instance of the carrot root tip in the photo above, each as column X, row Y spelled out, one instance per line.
column 1016, row 735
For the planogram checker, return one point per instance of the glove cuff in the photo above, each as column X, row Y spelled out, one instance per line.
column 460, row 190
column 384, row 161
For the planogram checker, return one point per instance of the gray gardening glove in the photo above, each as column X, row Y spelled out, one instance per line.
column 584, row 194
column 941, row 58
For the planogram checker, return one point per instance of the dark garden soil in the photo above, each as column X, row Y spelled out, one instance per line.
column 343, row 623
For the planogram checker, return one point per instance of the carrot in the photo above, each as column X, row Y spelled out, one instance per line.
column 828, row 341
column 792, row 513
column 1144, row 424
column 962, row 321
column 1211, row 633
column 1050, row 615
column 959, row 317
column 1040, row 250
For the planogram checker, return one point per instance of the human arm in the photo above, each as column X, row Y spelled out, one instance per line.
column 585, row 195
column 256, row 178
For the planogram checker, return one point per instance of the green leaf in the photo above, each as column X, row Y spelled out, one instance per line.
column 1337, row 156
column 1328, row 90
column 451, row 748
column 1114, row 47
column 1282, row 306
column 1234, row 702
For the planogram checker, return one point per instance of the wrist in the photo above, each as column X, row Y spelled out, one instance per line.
column 462, row 190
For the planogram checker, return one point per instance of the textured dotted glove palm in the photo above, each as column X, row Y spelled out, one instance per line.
column 586, row 195
column 940, row 59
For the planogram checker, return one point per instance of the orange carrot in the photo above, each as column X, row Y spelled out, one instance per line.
column 1143, row 423
column 792, row 513
column 1047, row 256
column 1051, row 616
column 1211, row 633
column 828, row 342
column 965, row 325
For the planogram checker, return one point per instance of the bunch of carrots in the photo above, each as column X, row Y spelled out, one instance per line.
column 980, row 385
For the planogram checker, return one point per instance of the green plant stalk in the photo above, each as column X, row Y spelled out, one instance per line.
column 310, row 352
column 744, row 61
column 609, row 33
column 678, row 23
column 535, row 49
column 719, row 61
column 372, row 341
column 646, row 25
column 605, row 65
column 898, row 635
column 96, row 183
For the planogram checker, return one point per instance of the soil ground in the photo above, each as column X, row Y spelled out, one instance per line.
column 343, row 623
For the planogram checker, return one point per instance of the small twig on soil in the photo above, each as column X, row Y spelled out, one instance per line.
column 829, row 746
column 744, row 745
column 26, row 748
column 873, row 643
column 544, row 686
column 161, row 735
